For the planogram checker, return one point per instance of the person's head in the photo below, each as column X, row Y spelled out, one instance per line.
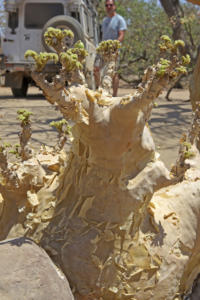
column 110, row 7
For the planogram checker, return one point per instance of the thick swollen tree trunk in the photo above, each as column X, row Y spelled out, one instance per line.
column 109, row 213
column 194, row 86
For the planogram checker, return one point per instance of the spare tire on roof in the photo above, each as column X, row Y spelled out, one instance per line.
column 64, row 22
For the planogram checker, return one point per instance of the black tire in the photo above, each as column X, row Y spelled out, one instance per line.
column 66, row 22
column 21, row 92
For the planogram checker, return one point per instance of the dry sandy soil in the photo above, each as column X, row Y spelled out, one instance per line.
column 168, row 122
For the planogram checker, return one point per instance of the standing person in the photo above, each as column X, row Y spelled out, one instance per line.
column 113, row 28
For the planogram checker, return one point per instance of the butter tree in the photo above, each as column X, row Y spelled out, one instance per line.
column 109, row 213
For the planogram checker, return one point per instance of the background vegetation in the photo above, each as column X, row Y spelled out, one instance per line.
column 147, row 21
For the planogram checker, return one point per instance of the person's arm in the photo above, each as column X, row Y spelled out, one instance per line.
column 122, row 29
column 121, row 35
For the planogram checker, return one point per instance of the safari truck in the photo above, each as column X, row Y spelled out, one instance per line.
column 27, row 21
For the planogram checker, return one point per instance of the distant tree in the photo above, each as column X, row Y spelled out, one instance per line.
column 184, row 19
column 147, row 22
column 139, row 48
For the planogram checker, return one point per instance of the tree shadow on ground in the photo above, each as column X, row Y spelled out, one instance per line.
column 170, row 119
column 38, row 96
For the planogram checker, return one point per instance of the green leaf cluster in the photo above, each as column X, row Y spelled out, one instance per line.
column 41, row 59
column 15, row 150
column 171, row 48
column 61, row 126
column 187, row 153
column 186, row 59
column 80, row 51
column 147, row 22
column 4, row 146
column 70, row 62
column 55, row 36
column 167, row 45
column 108, row 48
column 24, row 116
column 71, row 59
column 164, row 65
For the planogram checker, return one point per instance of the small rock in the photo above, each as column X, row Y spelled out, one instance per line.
column 27, row 273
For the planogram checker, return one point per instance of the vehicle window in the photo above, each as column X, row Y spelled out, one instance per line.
column 37, row 14
column 75, row 15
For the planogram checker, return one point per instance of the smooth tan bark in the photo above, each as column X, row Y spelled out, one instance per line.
column 194, row 86
column 109, row 213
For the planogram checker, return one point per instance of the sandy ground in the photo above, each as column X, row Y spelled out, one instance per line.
column 168, row 122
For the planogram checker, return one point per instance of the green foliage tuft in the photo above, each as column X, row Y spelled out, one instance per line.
column 168, row 45
column 30, row 53
column 4, row 146
column 188, row 154
column 179, row 43
column 79, row 50
column 181, row 70
column 61, row 126
column 54, row 36
column 79, row 45
column 24, row 116
column 71, row 59
column 108, row 48
column 171, row 49
column 166, row 39
column 16, row 150
column 41, row 59
column 187, row 145
column 147, row 22
column 186, row 59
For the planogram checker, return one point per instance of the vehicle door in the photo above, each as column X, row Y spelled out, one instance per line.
column 36, row 14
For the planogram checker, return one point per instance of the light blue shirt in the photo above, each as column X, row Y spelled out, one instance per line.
column 112, row 26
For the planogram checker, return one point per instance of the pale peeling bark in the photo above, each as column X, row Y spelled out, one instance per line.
column 24, row 138
column 194, row 86
column 110, row 214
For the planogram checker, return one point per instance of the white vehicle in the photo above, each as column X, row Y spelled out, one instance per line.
column 27, row 20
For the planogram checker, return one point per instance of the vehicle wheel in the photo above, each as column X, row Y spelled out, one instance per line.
column 21, row 92
column 64, row 22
